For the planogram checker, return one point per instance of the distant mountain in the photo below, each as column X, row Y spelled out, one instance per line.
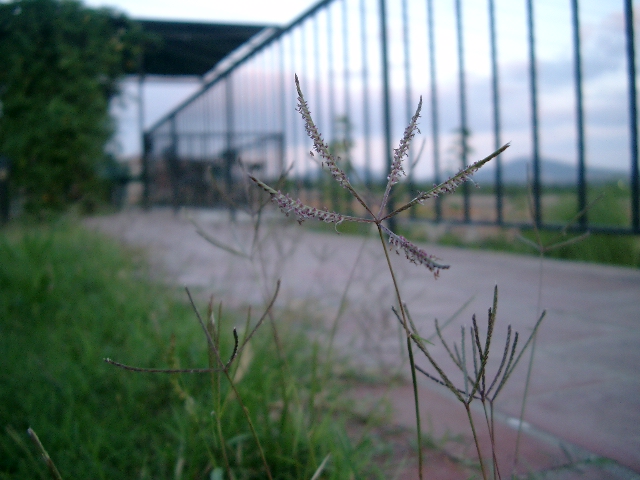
column 552, row 172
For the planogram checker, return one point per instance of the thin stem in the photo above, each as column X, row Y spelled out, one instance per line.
column 45, row 456
column 475, row 440
column 492, row 439
column 530, row 365
column 414, row 380
column 251, row 427
column 216, row 388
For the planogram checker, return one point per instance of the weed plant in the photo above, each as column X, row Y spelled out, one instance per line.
column 69, row 298
column 477, row 383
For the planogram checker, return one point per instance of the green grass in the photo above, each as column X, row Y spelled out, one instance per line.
column 69, row 298
column 609, row 208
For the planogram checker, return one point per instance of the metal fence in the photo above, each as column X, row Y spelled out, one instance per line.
column 556, row 80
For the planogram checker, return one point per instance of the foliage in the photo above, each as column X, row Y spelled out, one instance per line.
column 60, row 66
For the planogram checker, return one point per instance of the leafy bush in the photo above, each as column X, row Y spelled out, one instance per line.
column 60, row 66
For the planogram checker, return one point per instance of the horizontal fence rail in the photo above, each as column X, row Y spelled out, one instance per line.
column 556, row 79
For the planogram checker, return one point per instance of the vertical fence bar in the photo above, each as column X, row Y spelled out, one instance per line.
column 384, row 50
column 366, row 114
column 332, row 103
column 320, row 180
column 407, row 91
column 537, row 213
column 633, row 116
column 434, row 106
column 305, row 72
column 577, row 73
column 347, row 101
column 345, row 59
column 464, row 131
column 283, row 106
column 497, row 141
column 172, row 163
column 230, row 155
column 331, row 74
column 147, row 149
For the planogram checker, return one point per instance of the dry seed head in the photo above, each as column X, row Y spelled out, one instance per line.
column 301, row 211
column 462, row 176
column 401, row 152
column 414, row 253
column 319, row 144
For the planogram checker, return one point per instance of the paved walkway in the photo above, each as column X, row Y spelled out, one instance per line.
column 584, row 398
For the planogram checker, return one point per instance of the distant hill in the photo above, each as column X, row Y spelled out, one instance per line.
column 552, row 172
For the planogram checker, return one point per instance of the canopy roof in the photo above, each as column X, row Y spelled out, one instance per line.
column 186, row 48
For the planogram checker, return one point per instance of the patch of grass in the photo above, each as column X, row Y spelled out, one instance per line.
column 610, row 209
column 69, row 298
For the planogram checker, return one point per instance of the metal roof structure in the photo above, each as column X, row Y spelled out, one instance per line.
column 188, row 48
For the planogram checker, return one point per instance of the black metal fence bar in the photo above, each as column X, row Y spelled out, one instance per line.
column 435, row 132
column 533, row 86
column 386, row 100
column 495, row 97
column 633, row 115
column 462, row 92
column 362, row 62
column 577, row 63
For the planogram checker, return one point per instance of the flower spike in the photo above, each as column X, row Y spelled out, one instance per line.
column 322, row 148
column 450, row 185
column 319, row 144
column 301, row 211
column 414, row 253
column 399, row 154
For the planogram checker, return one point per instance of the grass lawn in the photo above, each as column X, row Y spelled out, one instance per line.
column 69, row 298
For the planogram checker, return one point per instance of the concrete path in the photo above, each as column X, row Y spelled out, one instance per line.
column 584, row 398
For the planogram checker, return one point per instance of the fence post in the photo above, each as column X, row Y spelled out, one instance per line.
column 633, row 117
column 537, row 214
column 434, row 106
column 496, row 110
column 577, row 65
column 464, row 130
column 385, row 98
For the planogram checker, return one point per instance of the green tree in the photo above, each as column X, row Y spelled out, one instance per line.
column 60, row 65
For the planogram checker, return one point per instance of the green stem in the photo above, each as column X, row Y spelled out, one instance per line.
column 217, row 395
column 475, row 440
column 414, row 380
column 45, row 456
column 251, row 427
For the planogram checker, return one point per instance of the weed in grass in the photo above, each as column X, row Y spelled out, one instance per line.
column 475, row 385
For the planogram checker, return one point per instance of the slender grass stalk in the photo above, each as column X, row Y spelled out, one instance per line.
column 216, row 387
column 412, row 365
column 45, row 456
column 467, row 407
